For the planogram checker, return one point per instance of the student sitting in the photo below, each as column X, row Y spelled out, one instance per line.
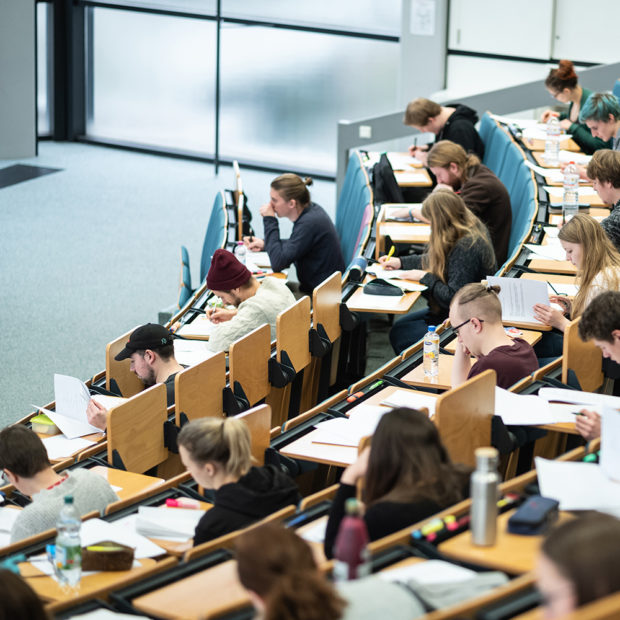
column 255, row 302
column 562, row 86
column 217, row 454
column 476, row 315
column 23, row 458
column 408, row 477
column 601, row 114
column 578, row 563
column 454, row 122
column 600, row 323
column 598, row 270
column 313, row 246
column 279, row 571
column 604, row 170
column 151, row 351
column 459, row 252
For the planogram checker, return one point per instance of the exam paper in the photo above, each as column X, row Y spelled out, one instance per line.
column 410, row 177
column 260, row 259
column 8, row 516
column 176, row 524
column 579, row 398
column 361, row 422
column 556, row 193
column 191, row 352
column 316, row 533
column 550, row 251
column 381, row 272
column 411, row 399
column 518, row 297
column 610, row 440
column 539, row 132
column 121, row 531
column 69, row 427
column 529, row 410
column 375, row 302
column 407, row 286
column 562, row 289
column 428, row 573
column 200, row 326
column 403, row 161
column 391, row 209
column 406, row 233
column 59, row 447
column 519, row 122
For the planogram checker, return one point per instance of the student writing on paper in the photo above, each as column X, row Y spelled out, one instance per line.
column 24, row 460
column 604, row 170
column 600, row 323
column 459, row 252
column 563, row 87
column 476, row 316
column 598, row 270
column 151, row 351
column 407, row 474
column 313, row 246
column 578, row 563
column 217, row 453
column 255, row 302
column 454, row 122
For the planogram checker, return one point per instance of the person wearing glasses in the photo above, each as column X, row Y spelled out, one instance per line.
column 476, row 316
column 563, row 86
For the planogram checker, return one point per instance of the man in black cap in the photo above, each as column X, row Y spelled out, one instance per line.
column 151, row 352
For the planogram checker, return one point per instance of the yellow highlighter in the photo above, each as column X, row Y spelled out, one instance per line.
column 391, row 252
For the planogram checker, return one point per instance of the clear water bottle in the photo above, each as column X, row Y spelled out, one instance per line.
column 552, row 142
column 352, row 559
column 570, row 197
column 484, row 496
column 431, row 352
column 68, row 553
column 241, row 252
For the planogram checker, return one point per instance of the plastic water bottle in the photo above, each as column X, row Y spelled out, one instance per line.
column 68, row 553
column 484, row 495
column 431, row 352
column 352, row 560
column 241, row 252
column 570, row 197
column 552, row 143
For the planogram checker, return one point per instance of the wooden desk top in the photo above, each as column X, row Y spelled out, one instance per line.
column 531, row 337
column 511, row 553
column 416, row 177
column 554, row 278
column 382, row 304
column 541, row 161
column 552, row 266
column 206, row 594
column 598, row 214
column 49, row 590
column 441, row 382
column 568, row 144
column 130, row 483
column 404, row 232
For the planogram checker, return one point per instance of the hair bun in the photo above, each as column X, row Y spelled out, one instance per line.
column 494, row 289
column 308, row 181
column 566, row 70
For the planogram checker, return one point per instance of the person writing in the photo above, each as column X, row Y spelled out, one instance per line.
column 459, row 252
column 563, row 86
column 217, row 453
column 476, row 316
column 601, row 114
column 604, row 170
column 408, row 476
column 588, row 248
column 313, row 246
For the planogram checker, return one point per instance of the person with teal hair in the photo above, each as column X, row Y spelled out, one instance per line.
column 601, row 113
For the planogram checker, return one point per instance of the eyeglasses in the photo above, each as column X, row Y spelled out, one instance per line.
column 456, row 329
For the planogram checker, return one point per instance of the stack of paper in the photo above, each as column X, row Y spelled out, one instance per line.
column 551, row 251
column 428, row 573
column 200, row 326
column 518, row 297
column 528, row 410
column 8, row 516
column 412, row 400
column 403, row 161
column 362, row 422
column 381, row 272
column 260, row 259
column 316, row 533
column 59, row 447
column 579, row 158
column 539, row 132
column 167, row 523
column 410, row 178
column 191, row 352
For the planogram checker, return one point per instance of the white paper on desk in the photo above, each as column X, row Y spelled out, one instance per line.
column 381, row 272
column 44, row 565
column 169, row 523
column 545, row 172
column 610, row 440
column 191, row 352
column 577, row 486
column 556, row 176
column 200, row 326
column 316, row 533
column 59, row 447
column 411, row 399
column 539, row 132
column 362, row 422
column 375, row 302
column 579, row 398
column 405, row 233
column 108, row 401
column 8, row 516
column 410, row 177
column 556, row 193
column 389, row 210
column 518, row 297
column 403, row 161
column 104, row 614
column 569, row 290
column 428, row 573
column 528, row 410
column 407, row 286
column 551, row 231
column 260, row 259
column 550, row 251
column 519, row 122
column 96, row 530
column 70, row 427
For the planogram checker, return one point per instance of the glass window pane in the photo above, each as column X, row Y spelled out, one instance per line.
column 154, row 80
column 283, row 92
column 44, row 19
column 200, row 7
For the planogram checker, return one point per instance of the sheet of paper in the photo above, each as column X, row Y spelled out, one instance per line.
column 70, row 427
column 577, row 486
column 403, row 161
column 316, row 533
column 8, row 516
column 562, row 289
column 411, row 399
column 362, row 422
column 200, row 326
column 59, row 447
column 407, row 286
column 172, row 523
column 529, row 410
column 579, row 158
column 519, row 122
column 411, row 177
column 191, row 352
column 406, row 233
column 109, row 402
column 380, row 272
column 555, row 193
column 579, row 398
column 71, row 395
column 550, row 252
column 428, row 573
column 610, row 440
column 375, row 302
column 539, row 132
column 545, row 172
column 121, row 531
column 556, row 176
column 260, row 259
column 518, row 297
column 104, row 614
column 551, row 231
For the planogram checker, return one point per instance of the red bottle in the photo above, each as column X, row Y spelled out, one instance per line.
column 352, row 560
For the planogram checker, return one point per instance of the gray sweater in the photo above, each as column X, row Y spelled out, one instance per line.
column 611, row 225
column 89, row 490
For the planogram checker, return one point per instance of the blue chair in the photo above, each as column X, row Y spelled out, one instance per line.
column 185, row 286
column 509, row 172
column 487, row 127
column 495, row 151
column 616, row 89
column 354, row 212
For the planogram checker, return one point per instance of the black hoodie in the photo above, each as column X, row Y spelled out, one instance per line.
column 262, row 491
column 460, row 129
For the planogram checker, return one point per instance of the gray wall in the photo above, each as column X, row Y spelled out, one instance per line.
column 17, row 79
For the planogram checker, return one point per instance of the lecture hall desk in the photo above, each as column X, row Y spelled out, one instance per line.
column 382, row 304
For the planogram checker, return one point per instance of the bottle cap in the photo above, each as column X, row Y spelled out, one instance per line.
column 432, row 328
column 68, row 499
column 486, row 458
column 351, row 506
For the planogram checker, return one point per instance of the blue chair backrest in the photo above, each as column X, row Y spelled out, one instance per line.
column 509, row 172
column 495, row 151
column 185, row 287
column 616, row 90
column 215, row 236
column 487, row 127
column 351, row 211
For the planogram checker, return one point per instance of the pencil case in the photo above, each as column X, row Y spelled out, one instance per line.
column 107, row 556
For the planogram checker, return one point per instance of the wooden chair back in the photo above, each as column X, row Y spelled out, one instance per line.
column 248, row 363
column 127, row 381
column 136, row 430
column 292, row 329
column 318, row 497
column 326, row 299
column 258, row 420
column 463, row 417
column 198, row 389
column 583, row 358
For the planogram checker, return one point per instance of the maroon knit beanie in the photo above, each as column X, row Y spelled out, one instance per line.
column 226, row 272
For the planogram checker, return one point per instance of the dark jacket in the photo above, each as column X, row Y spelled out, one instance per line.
column 460, row 129
column 261, row 492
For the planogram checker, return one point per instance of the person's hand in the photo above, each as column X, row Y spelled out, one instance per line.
column 420, row 153
column 358, row 469
column 400, row 213
column 221, row 315
column 96, row 414
column 565, row 124
column 462, row 350
column 443, row 186
column 550, row 316
column 546, row 115
column 582, row 170
column 588, row 424
column 563, row 301
column 413, row 274
column 254, row 244
column 267, row 210
column 390, row 262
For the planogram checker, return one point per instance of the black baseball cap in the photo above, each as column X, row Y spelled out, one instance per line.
column 149, row 336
